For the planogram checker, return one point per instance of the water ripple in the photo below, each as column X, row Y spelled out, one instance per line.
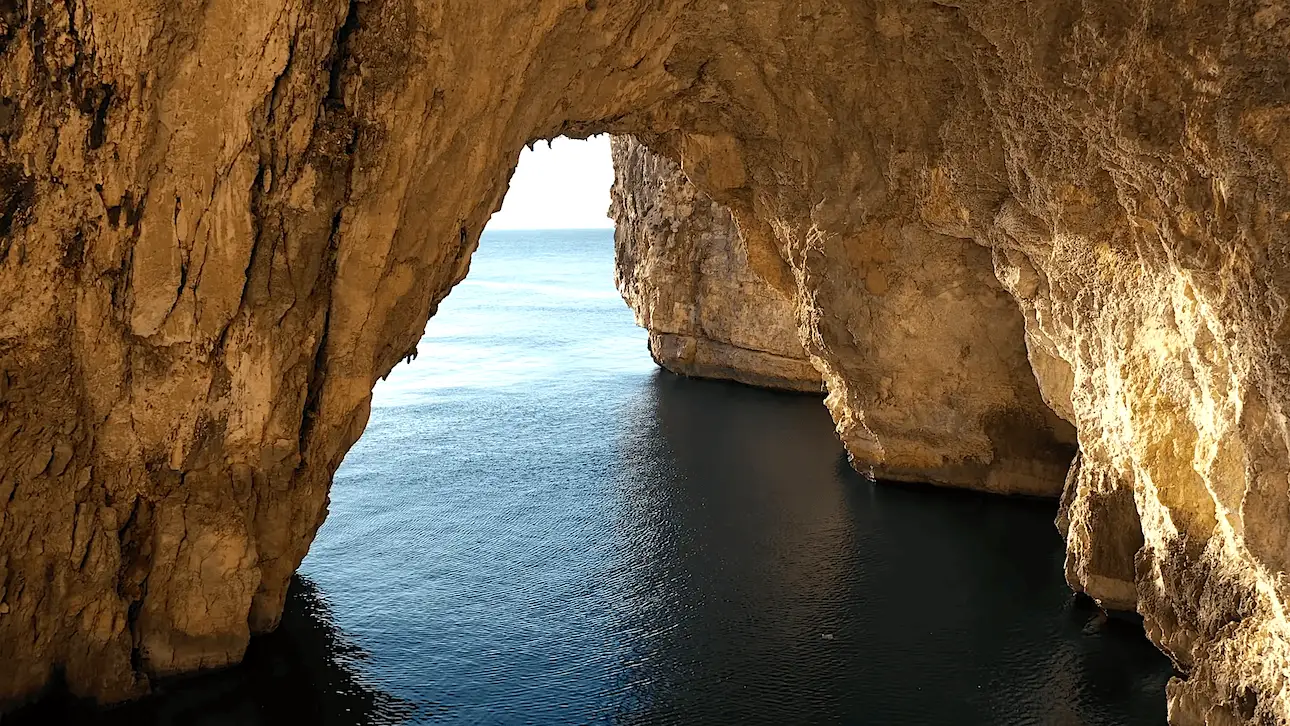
column 540, row 528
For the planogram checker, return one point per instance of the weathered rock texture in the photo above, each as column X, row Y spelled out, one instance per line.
column 973, row 418
column 222, row 221
column 682, row 269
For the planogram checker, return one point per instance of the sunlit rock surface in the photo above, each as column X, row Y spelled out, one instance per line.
column 222, row 222
column 681, row 267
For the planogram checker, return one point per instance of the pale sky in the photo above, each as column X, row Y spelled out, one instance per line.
column 563, row 187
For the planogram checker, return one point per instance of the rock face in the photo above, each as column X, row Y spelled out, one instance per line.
column 972, row 419
column 682, row 269
column 222, row 222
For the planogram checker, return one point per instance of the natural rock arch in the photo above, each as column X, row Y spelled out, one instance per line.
column 221, row 222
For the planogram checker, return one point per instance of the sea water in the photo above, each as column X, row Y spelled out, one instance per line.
column 541, row 527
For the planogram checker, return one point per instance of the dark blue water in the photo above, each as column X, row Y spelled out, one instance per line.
column 540, row 527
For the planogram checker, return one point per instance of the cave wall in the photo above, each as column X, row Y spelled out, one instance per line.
column 222, row 221
column 682, row 269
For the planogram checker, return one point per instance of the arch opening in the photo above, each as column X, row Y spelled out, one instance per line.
column 552, row 529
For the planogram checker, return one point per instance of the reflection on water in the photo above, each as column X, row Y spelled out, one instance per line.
column 775, row 583
column 306, row 672
column 539, row 527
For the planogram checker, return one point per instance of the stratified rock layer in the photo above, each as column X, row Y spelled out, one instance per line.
column 221, row 222
column 683, row 270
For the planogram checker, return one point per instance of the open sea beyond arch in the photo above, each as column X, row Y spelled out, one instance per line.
column 541, row 527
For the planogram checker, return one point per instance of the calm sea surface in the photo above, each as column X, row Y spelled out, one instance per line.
column 540, row 527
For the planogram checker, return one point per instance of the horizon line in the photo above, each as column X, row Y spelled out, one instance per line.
column 549, row 229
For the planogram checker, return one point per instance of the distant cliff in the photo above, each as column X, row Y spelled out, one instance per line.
column 681, row 267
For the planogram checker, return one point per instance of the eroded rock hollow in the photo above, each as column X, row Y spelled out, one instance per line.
column 222, row 222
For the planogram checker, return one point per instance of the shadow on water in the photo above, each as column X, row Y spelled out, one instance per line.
column 303, row 673
column 785, row 587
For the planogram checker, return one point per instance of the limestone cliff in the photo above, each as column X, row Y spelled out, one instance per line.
column 222, row 221
column 682, row 269
column 975, row 419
